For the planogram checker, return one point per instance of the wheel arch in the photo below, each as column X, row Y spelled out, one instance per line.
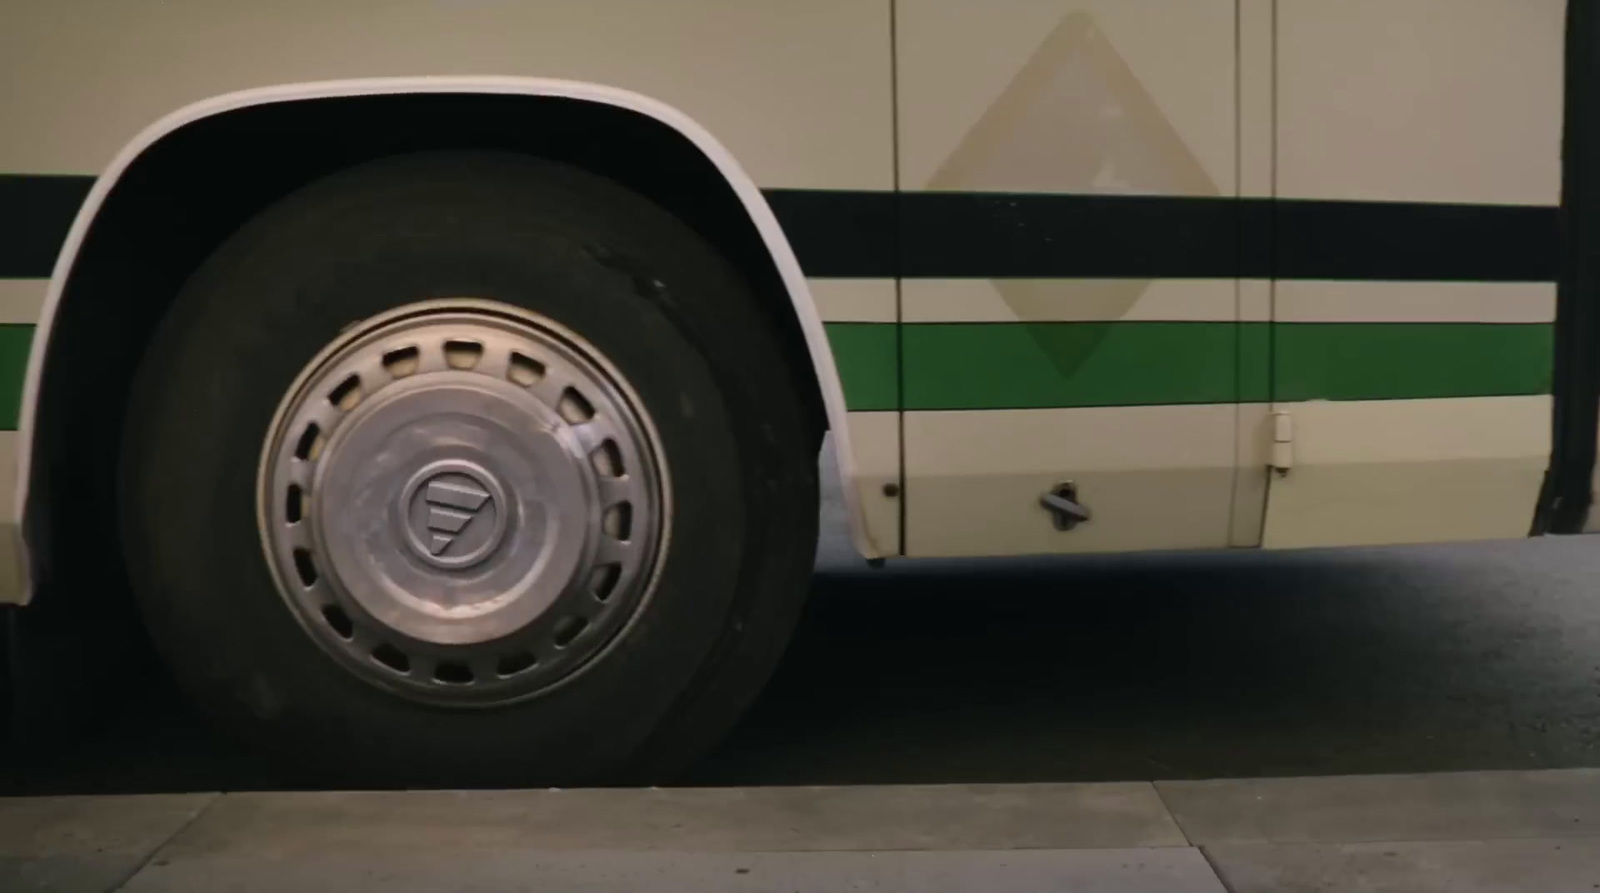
column 108, row 282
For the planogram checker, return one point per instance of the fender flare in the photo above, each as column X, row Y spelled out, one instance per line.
column 755, row 205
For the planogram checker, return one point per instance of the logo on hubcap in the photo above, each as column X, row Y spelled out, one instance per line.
column 451, row 507
column 453, row 513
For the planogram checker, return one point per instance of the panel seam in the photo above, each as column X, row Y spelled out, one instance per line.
column 899, row 311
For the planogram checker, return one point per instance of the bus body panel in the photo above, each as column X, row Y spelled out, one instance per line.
column 976, row 377
column 737, row 73
column 1448, row 434
column 1336, row 126
column 1017, row 383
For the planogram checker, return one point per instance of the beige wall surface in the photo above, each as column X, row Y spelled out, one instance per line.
column 875, row 438
column 1403, row 471
column 854, row 300
column 798, row 92
column 21, row 299
column 1311, row 300
column 1420, row 100
column 1129, row 96
column 1041, row 300
column 1154, row 477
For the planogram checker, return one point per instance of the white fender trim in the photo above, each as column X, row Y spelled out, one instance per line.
column 754, row 204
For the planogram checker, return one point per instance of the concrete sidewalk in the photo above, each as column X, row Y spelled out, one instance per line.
column 1528, row 832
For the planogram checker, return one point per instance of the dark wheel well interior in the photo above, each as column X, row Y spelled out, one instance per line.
column 187, row 193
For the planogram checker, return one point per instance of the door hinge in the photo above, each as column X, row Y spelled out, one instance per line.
column 1282, row 443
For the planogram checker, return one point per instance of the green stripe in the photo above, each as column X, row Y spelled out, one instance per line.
column 1027, row 365
column 865, row 356
column 1385, row 361
column 1066, row 364
column 14, row 343
column 1255, row 362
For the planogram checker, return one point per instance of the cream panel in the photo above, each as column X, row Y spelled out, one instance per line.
column 1255, row 299
column 1046, row 300
column 1497, row 302
column 1253, row 452
column 974, row 479
column 854, row 300
column 1403, row 471
column 1420, row 100
column 21, row 299
column 1253, row 444
column 1256, row 84
column 1106, row 96
column 1257, row 42
column 84, row 76
column 875, row 440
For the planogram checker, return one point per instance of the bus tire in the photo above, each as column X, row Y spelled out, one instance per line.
column 469, row 468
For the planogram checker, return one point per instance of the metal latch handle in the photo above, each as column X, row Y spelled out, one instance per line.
column 1062, row 503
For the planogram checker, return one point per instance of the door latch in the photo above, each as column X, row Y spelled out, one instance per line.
column 1062, row 503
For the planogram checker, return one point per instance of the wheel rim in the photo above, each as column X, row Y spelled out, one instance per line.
column 462, row 502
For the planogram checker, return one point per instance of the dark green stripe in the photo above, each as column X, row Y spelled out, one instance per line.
column 1065, row 364
column 14, row 343
column 865, row 356
column 1027, row 365
column 1382, row 361
column 1255, row 363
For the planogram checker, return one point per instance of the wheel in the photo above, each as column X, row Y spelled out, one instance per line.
column 470, row 469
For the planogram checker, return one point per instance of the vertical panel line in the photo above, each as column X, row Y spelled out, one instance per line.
column 1238, row 249
column 899, row 312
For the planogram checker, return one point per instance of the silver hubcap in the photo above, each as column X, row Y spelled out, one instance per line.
column 462, row 502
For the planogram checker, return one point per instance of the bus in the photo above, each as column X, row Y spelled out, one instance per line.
column 444, row 380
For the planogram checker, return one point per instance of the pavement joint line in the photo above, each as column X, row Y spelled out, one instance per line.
column 216, row 797
column 1176, row 822
column 1222, row 881
column 1205, row 854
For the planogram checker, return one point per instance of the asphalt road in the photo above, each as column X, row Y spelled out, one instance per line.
column 1172, row 666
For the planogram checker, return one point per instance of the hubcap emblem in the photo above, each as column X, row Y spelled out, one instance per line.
column 451, row 507
column 452, row 513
